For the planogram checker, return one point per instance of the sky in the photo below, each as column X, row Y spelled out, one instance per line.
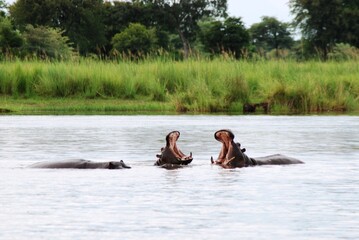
column 251, row 11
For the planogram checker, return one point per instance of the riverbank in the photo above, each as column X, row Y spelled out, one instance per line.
column 195, row 86
column 81, row 106
column 70, row 106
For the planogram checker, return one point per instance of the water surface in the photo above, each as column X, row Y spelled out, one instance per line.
column 317, row 200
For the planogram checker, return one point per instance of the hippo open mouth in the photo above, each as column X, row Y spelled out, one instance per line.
column 231, row 154
column 171, row 154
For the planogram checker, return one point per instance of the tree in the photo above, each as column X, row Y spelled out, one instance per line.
column 118, row 16
column 324, row 23
column 211, row 34
column 182, row 16
column 10, row 39
column 271, row 34
column 2, row 7
column 81, row 20
column 228, row 36
column 46, row 43
column 236, row 37
column 136, row 40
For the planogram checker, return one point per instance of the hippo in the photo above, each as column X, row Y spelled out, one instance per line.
column 170, row 155
column 232, row 156
column 80, row 164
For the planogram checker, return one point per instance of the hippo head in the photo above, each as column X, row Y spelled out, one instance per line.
column 171, row 154
column 117, row 165
column 231, row 155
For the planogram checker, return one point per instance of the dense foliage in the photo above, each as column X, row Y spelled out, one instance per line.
column 229, row 36
column 81, row 20
column 182, row 28
column 10, row 39
column 46, row 43
column 135, row 40
column 2, row 7
column 183, row 16
column 325, row 23
column 271, row 34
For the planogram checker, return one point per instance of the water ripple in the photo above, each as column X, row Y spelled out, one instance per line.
column 317, row 200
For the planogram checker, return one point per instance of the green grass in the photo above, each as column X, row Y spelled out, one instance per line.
column 193, row 85
column 80, row 106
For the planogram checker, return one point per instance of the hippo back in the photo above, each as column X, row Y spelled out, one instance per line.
column 276, row 159
column 73, row 163
column 80, row 164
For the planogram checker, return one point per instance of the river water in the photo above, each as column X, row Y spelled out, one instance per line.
column 315, row 200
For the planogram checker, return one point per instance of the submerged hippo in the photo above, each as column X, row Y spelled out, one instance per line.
column 80, row 164
column 232, row 156
column 170, row 154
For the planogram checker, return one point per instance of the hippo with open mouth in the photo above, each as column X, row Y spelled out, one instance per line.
column 170, row 154
column 232, row 156
column 80, row 164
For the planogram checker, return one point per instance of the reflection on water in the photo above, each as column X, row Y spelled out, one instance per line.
column 317, row 200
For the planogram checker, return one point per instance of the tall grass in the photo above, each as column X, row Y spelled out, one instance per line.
column 193, row 85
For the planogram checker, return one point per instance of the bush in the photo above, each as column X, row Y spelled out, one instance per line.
column 135, row 40
column 343, row 51
column 46, row 43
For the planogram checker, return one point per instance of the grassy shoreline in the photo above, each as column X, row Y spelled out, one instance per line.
column 118, row 107
column 80, row 106
column 194, row 86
